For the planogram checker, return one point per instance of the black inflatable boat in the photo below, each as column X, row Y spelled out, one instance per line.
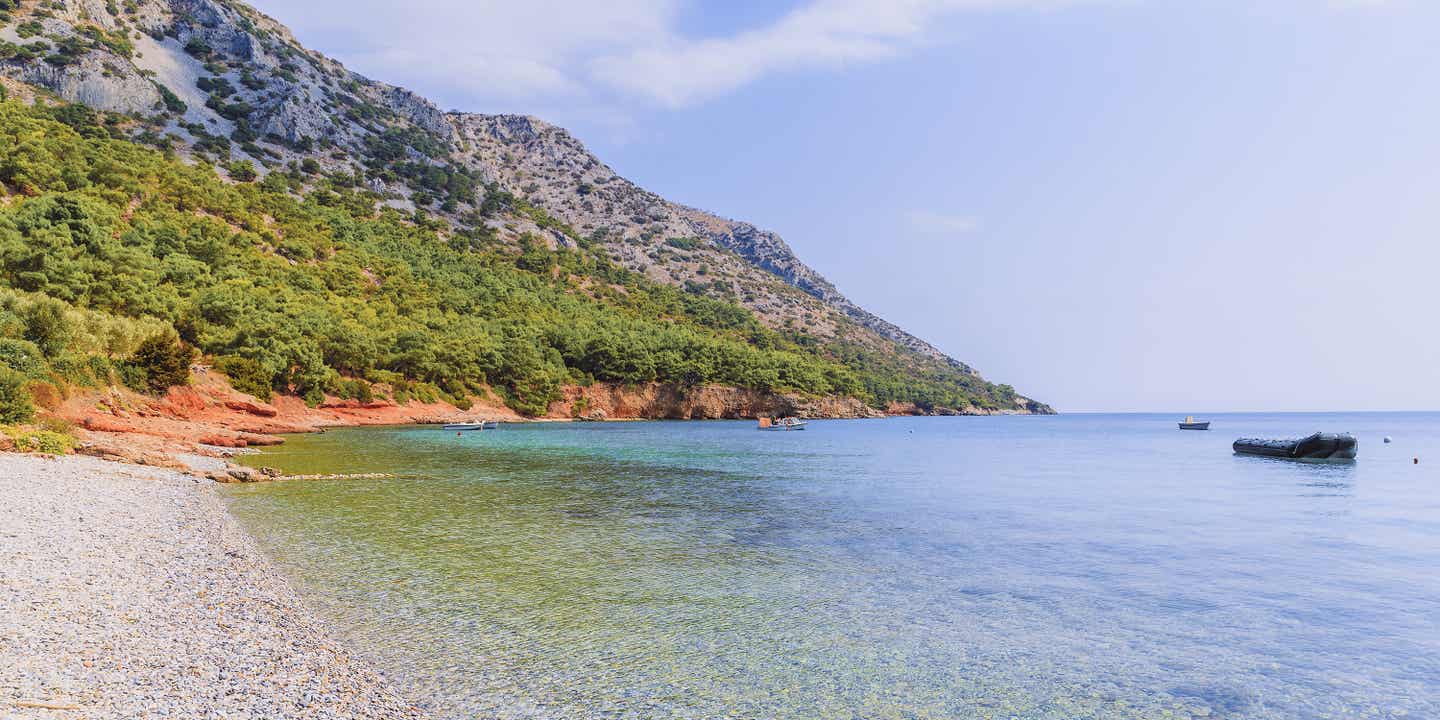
column 1320, row 446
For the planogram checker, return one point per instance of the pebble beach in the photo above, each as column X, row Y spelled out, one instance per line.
column 130, row 592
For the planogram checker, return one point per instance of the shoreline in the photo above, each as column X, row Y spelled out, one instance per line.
column 208, row 417
column 130, row 591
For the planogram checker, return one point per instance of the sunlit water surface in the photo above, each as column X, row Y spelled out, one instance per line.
column 1084, row 566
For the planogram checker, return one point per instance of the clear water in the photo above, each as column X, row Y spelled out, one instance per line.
column 1085, row 566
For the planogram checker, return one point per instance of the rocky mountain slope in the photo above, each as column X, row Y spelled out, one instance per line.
column 219, row 82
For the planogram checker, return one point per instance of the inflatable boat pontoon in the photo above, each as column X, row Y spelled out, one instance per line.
column 1320, row 446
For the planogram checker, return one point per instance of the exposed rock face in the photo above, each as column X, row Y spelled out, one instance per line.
column 296, row 119
column 609, row 401
column 418, row 110
column 100, row 80
column 246, row 83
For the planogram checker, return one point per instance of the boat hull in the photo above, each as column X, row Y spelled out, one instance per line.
column 784, row 428
column 1195, row 426
column 1319, row 446
column 464, row 427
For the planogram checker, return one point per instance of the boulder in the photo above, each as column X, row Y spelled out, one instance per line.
column 241, row 474
column 253, row 408
column 224, row 441
column 255, row 440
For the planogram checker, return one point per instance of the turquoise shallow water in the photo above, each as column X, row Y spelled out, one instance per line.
column 1086, row 566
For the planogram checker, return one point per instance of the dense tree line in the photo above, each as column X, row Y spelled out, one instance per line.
column 324, row 293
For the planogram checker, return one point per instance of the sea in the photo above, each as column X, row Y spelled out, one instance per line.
column 1067, row 567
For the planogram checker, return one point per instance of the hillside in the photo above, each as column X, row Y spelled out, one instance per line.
column 346, row 236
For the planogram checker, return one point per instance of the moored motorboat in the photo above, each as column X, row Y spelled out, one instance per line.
column 1317, row 446
column 465, row 427
column 781, row 424
column 1191, row 423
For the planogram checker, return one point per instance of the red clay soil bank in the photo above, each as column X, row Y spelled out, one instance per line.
column 211, row 413
column 606, row 401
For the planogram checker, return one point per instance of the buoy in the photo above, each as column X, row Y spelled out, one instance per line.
column 1387, row 439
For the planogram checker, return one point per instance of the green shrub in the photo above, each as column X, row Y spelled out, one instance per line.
column 247, row 376
column 29, row 440
column 198, row 48
column 101, row 369
column 59, row 426
column 16, row 405
column 22, row 356
column 313, row 396
column 47, row 325
column 242, row 171
column 172, row 102
column 347, row 389
column 164, row 360
column 133, row 377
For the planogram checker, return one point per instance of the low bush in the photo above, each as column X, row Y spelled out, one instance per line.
column 16, row 406
column 49, row 442
column 164, row 360
column 59, row 426
column 247, row 376
column 22, row 356
column 47, row 325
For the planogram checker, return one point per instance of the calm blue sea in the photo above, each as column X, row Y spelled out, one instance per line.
column 1081, row 566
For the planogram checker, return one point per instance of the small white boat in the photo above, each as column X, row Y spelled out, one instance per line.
column 465, row 427
column 781, row 424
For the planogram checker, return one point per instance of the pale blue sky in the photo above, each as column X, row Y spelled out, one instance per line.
column 1122, row 205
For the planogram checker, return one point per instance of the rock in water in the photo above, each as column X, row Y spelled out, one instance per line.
column 241, row 474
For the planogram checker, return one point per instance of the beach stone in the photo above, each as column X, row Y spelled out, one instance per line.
column 130, row 592
column 241, row 474
column 257, row 409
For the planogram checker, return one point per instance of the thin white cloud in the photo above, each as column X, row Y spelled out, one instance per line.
column 489, row 50
column 926, row 221
column 501, row 51
column 676, row 71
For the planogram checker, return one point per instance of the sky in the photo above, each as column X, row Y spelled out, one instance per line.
column 1109, row 204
